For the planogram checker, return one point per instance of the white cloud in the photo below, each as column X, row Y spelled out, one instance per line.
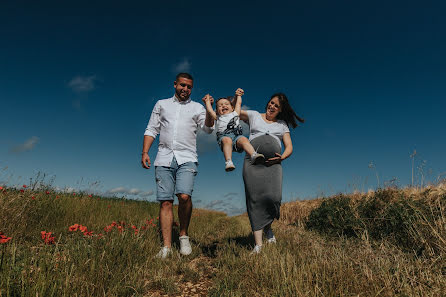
column 83, row 84
column 127, row 191
column 26, row 146
column 183, row 66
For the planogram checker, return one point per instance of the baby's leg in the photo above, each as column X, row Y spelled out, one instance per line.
column 244, row 143
column 226, row 144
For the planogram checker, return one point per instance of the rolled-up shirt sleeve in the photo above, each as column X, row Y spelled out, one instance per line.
column 154, row 125
column 201, row 121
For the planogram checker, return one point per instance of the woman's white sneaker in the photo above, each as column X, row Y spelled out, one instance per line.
column 256, row 250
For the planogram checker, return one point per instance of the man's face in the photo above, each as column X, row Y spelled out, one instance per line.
column 183, row 88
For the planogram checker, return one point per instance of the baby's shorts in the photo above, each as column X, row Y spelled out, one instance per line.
column 234, row 139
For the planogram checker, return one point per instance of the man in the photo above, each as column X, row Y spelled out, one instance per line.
column 176, row 120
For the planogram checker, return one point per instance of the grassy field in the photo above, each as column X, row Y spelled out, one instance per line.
column 385, row 243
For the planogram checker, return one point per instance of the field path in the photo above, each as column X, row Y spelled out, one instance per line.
column 211, row 233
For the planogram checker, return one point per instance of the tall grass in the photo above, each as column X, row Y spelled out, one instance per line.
column 345, row 245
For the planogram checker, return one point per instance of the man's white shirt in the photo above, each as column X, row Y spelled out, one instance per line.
column 177, row 123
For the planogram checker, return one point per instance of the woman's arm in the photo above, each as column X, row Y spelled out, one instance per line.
column 286, row 153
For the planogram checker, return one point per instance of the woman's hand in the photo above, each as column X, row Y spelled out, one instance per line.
column 274, row 160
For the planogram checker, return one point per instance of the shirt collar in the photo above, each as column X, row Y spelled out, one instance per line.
column 175, row 99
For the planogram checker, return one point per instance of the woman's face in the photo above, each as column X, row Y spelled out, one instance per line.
column 273, row 108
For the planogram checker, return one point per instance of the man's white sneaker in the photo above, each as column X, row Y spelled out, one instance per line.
column 229, row 165
column 271, row 240
column 257, row 158
column 256, row 250
column 185, row 248
column 164, row 252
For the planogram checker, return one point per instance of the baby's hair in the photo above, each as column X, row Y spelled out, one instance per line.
column 229, row 98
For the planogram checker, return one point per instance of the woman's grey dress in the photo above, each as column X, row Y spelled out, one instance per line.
column 263, row 184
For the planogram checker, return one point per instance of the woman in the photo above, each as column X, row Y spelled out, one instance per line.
column 263, row 182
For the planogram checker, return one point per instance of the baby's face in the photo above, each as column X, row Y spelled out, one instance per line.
column 224, row 107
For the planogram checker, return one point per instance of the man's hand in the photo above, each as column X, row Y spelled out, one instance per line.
column 274, row 160
column 239, row 92
column 209, row 98
column 145, row 161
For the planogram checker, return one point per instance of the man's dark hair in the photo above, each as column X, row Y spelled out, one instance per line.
column 184, row 75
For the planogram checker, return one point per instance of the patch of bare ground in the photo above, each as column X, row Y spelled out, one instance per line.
column 195, row 281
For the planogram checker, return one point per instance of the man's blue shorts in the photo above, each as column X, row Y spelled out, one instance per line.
column 176, row 179
column 234, row 139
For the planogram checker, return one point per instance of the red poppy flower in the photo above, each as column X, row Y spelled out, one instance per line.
column 4, row 238
column 24, row 186
column 120, row 229
column 90, row 196
column 22, row 190
column 82, row 228
column 1, row 188
column 88, row 233
column 33, row 198
column 73, row 228
column 47, row 192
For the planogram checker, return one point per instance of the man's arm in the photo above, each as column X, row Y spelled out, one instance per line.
column 152, row 130
column 209, row 110
column 147, row 143
column 208, row 126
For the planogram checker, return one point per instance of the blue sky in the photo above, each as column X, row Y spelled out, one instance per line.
column 78, row 82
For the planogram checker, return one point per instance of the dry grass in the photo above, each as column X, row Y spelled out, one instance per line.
column 302, row 263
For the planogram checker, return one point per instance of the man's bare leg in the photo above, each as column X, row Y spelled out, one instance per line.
column 184, row 212
column 166, row 221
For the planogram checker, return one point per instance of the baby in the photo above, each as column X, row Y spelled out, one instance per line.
column 229, row 131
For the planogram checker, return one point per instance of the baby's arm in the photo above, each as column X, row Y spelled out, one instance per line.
column 209, row 108
column 238, row 100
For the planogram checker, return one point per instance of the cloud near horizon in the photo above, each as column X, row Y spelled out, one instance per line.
column 26, row 146
column 132, row 191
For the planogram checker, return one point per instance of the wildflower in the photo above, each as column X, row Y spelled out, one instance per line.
column 120, row 229
column 82, row 228
column 113, row 224
column 4, row 238
column 47, row 238
column 1, row 188
column 73, row 227
column 88, row 233
column 74, row 194
column 47, row 192
column 157, row 218
column 90, row 195
column 22, row 190
column 134, row 227
column 108, row 206
column 33, row 198
column 24, row 186
column 57, row 197
column 108, row 228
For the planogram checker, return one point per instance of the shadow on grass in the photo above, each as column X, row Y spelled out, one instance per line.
column 246, row 242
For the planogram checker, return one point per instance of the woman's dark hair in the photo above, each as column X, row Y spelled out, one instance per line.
column 287, row 114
